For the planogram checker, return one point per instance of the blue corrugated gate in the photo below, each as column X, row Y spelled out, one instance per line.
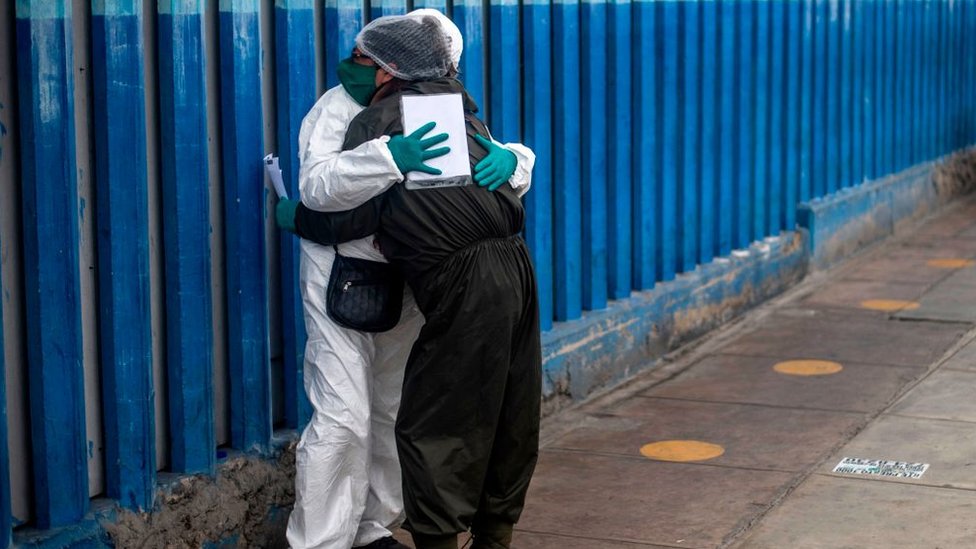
column 668, row 133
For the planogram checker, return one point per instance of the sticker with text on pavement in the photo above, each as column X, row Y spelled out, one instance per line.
column 881, row 468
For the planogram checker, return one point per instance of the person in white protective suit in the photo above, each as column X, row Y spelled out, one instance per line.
column 348, row 486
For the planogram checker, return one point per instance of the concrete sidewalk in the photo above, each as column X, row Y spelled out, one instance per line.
column 733, row 443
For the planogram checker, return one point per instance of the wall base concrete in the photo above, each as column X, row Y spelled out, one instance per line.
column 849, row 220
column 607, row 347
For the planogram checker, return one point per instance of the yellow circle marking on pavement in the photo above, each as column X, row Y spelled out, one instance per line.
column 808, row 367
column 953, row 263
column 681, row 450
column 889, row 305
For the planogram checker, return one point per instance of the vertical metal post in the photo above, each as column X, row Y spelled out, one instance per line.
column 728, row 134
column 646, row 162
column 856, row 40
column 710, row 111
column 295, row 94
column 745, row 121
column 469, row 17
column 566, row 165
column 242, row 148
column 537, row 129
column 833, row 61
column 343, row 21
column 792, row 126
column 820, row 89
column 123, row 251
column 51, row 281
column 669, row 51
column 845, row 130
column 593, row 68
column 807, row 86
column 689, row 152
column 778, row 142
column 620, row 122
column 505, row 109
column 763, row 104
column 6, row 513
column 186, row 228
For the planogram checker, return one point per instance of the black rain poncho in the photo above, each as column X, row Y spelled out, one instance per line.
column 468, row 426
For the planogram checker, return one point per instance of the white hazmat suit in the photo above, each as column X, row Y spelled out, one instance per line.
column 348, row 485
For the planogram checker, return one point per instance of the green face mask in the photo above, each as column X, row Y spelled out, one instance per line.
column 358, row 80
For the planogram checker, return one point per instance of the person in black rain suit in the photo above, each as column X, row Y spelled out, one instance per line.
column 468, row 426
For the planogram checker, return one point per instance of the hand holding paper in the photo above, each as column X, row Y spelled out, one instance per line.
column 274, row 172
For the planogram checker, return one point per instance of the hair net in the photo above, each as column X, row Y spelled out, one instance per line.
column 453, row 33
column 406, row 47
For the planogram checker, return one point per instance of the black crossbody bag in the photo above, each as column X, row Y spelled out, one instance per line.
column 364, row 295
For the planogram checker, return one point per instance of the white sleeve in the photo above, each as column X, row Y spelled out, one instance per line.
column 330, row 179
column 521, row 180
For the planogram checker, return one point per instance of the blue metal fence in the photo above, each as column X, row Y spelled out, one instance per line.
column 668, row 133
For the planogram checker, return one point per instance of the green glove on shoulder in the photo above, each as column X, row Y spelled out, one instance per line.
column 412, row 151
column 495, row 169
column 285, row 214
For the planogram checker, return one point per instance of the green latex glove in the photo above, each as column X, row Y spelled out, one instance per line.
column 495, row 169
column 285, row 214
column 412, row 151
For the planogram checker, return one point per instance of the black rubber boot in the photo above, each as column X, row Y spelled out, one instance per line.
column 492, row 534
column 385, row 543
column 423, row 541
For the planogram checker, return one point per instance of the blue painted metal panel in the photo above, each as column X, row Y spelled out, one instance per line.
column 745, row 120
column 295, row 94
column 845, row 113
column 689, row 167
column 856, row 34
column 50, row 243
column 620, row 123
column 807, row 87
column 833, row 60
column 728, row 142
column 879, row 90
column 123, row 253
column 469, row 17
column 537, row 26
column 669, row 51
column 888, row 88
column 379, row 8
column 593, row 66
column 869, row 44
column 566, row 164
column 763, row 99
column 646, row 150
column 343, row 20
column 505, row 109
column 926, row 78
column 902, row 123
column 186, row 235
column 439, row 5
column 710, row 130
column 778, row 142
column 242, row 147
column 820, row 79
column 792, row 125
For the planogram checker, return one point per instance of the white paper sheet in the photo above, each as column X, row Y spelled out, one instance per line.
column 274, row 172
column 447, row 110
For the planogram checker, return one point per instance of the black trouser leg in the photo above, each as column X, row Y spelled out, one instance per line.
column 467, row 429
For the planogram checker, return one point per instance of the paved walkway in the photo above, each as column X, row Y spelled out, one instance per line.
column 873, row 360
